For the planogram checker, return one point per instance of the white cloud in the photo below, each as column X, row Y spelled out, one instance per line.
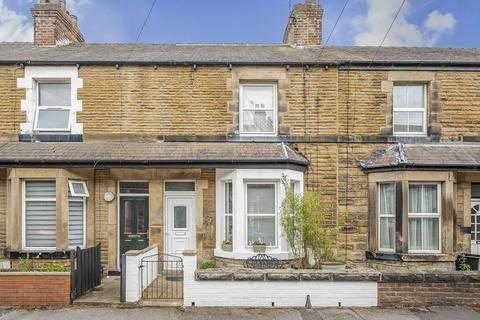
column 14, row 26
column 371, row 28
column 78, row 7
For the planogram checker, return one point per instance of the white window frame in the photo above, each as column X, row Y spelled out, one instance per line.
column 274, row 109
column 276, row 214
column 379, row 215
column 24, row 215
column 72, row 190
column 427, row 215
column 225, row 214
column 84, row 239
column 38, row 82
column 400, row 109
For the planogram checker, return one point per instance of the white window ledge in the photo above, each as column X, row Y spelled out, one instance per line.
column 242, row 255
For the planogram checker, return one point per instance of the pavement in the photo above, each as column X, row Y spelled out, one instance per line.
column 96, row 313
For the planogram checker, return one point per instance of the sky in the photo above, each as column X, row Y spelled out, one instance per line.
column 432, row 23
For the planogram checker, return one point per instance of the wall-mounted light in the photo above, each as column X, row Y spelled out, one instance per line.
column 117, row 66
column 230, row 66
column 155, row 67
column 287, row 67
column 194, row 67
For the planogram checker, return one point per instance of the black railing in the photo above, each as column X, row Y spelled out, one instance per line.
column 162, row 277
column 86, row 270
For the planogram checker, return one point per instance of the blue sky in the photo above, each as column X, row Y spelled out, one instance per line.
column 438, row 23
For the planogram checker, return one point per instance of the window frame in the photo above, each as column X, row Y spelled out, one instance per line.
column 379, row 216
column 24, row 214
column 84, row 238
column 275, row 215
column 424, row 110
column 426, row 215
column 274, row 109
column 38, row 107
column 72, row 190
column 225, row 214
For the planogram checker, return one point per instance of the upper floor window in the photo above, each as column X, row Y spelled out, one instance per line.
column 409, row 109
column 53, row 109
column 258, row 109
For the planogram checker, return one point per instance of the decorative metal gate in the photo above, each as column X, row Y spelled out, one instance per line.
column 162, row 277
column 86, row 270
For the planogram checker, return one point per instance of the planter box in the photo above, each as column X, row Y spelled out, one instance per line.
column 227, row 247
column 259, row 248
column 34, row 289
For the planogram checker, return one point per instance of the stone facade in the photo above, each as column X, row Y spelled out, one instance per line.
column 321, row 110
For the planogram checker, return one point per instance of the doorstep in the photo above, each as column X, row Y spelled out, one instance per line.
column 106, row 294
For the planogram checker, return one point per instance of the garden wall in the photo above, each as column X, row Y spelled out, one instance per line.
column 278, row 288
column 429, row 289
column 34, row 289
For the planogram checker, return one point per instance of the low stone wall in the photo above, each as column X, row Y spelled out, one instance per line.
column 34, row 289
column 429, row 289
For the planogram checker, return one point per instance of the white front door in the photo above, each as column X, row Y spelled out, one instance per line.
column 179, row 224
column 475, row 220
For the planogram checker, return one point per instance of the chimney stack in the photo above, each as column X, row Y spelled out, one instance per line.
column 304, row 26
column 54, row 25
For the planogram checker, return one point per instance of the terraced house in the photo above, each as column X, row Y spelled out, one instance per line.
column 184, row 146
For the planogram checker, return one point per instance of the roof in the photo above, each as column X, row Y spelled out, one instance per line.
column 231, row 53
column 424, row 156
column 150, row 154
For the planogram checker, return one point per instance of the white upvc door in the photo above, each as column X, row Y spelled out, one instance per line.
column 475, row 220
column 179, row 224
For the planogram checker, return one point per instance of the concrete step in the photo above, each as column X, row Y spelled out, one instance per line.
column 161, row 302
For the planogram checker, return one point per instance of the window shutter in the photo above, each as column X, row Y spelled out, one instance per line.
column 40, row 214
column 75, row 223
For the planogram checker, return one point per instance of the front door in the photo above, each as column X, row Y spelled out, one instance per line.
column 179, row 224
column 133, row 223
column 475, row 219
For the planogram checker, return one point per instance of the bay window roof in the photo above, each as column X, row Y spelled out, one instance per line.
column 424, row 156
column 152, row 154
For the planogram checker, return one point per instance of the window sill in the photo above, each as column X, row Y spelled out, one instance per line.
column 410, row 257
column 245, row 254
column 50, row 137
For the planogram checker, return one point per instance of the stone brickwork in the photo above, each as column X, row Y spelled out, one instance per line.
column 304, row 26
column 53, row 25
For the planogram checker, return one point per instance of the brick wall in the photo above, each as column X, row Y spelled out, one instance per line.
column 34, row 289
column 419, row 290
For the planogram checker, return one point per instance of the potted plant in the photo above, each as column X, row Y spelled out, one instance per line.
column 227, row 245
column 307, row 227
column 259, row 246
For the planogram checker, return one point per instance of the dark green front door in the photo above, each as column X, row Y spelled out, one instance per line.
column 133, row 223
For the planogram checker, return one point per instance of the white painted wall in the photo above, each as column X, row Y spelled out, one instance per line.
column 133, row 283
column 282, row 293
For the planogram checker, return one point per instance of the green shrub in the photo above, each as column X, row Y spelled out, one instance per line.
column 207, row 264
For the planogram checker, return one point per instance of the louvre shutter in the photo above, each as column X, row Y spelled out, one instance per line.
column 40, row 214
column 75, row 223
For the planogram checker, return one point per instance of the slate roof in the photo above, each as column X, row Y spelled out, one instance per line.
column 149, row 154
column 232, row 53
column 424, row 156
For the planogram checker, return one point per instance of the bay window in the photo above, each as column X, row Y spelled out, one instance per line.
column 228, row 211
column 40, row 214
column 424, row 217
column 54, row 104
column 261, row 207
column 258, row 108
column 386, row 214
column 409, row 109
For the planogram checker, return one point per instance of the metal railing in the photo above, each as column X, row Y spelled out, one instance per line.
column 162, row 277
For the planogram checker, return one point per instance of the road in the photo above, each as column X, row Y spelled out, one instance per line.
column 83, row 313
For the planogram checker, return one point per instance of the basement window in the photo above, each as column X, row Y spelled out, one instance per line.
column 258, row 109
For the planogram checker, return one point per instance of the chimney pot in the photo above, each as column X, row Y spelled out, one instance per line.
column 304, row 26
